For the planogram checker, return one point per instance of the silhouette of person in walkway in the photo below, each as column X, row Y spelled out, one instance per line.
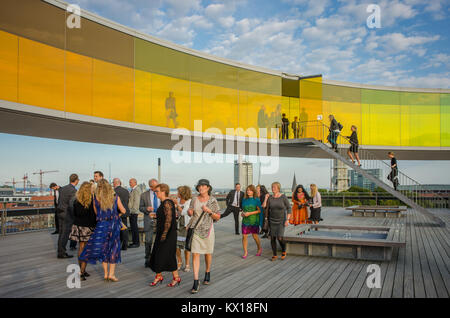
column 171, row 112
column 303, row 119
column 262, row 117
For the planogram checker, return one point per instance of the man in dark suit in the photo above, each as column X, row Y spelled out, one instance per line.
column 55, row 189
column 66, row 193
column 234, row 204
column 124, row 196
column 148, row 205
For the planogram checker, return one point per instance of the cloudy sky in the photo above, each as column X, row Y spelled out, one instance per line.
column 304, row 37
column 296, row 36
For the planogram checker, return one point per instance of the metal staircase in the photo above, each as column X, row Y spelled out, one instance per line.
column 409, row 191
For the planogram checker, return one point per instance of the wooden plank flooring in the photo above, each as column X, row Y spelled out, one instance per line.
column 29, row 267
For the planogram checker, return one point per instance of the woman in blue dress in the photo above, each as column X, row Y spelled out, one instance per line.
column 104, row 243
column 251, row 210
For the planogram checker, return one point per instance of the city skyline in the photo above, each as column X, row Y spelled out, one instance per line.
column 127, row 162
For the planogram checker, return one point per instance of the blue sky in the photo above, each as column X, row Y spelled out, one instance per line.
column 304, row 37
column 296, row 36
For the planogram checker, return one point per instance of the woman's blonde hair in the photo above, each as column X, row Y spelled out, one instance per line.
column 277, row 184
column 313, row 190
column 84, row 194
column 253, row 189
column 105, row 194
column 185, row 192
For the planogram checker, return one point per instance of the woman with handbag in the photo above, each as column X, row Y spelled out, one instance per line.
column 163, row 257
column 300, row 198
column 182, row 205
column 204, row 211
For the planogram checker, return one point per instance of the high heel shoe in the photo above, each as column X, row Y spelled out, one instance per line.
column 244, row 256
column 207, row 278
column 259, row 252
column 158, row 279
column 176, row 281
column 195, row 287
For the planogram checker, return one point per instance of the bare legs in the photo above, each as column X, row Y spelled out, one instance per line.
column 112, row 268
column 356, row 156
column 245, row 243
column 196, row 263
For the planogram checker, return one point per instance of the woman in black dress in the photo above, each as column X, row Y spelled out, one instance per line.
column 163, row 257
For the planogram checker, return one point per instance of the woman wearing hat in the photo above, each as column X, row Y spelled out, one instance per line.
column 205, row 208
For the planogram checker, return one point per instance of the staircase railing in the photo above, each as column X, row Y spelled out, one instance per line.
column 407, row 186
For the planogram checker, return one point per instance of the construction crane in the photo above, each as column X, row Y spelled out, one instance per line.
column 40, row 173
column 25, row 180
column 13, row 182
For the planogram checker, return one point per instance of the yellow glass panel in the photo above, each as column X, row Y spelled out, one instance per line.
column 196, row 103
column 78, row 84
column 243, row 111
column 347, row 114
column 170, row 102
column 113, row 91
column 41, row 75
column 8, row 66
column 424, row 118
column 311, row 104
column 445, row 120
column 142, row 97
column 220, row 106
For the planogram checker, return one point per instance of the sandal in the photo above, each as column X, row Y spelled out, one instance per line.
column 113, row 279
column 274, row 258
column 158, row 279
column 283, row 255
column 187, row 268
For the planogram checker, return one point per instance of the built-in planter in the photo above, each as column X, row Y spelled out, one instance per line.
column 374, row 243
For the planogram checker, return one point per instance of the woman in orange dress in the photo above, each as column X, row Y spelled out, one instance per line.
column 300, row 199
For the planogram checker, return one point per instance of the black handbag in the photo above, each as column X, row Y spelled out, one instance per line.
column 190, row 234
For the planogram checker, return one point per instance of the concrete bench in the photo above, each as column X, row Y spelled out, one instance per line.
column 377, row 211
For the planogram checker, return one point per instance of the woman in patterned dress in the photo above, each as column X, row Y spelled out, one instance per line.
column 84, row 220
column 204, row 237
column 300, row 198
column 251, row 211
column 104, row 243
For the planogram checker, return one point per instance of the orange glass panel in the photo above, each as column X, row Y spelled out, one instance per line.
column 113, row 92
column 78, row 84
column 41, row 75
column 8, row 66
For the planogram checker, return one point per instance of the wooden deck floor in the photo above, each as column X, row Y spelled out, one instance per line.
column 29, row 267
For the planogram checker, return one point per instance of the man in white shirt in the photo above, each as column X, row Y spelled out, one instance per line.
column 234, row 204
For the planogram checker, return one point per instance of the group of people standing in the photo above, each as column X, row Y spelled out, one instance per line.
column 269, row 215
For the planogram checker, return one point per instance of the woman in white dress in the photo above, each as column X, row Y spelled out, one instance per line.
column 206, row 207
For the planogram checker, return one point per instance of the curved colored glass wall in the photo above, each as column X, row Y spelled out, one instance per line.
column 102, row 72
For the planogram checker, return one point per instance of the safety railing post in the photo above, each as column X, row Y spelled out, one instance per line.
column 3, row 220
